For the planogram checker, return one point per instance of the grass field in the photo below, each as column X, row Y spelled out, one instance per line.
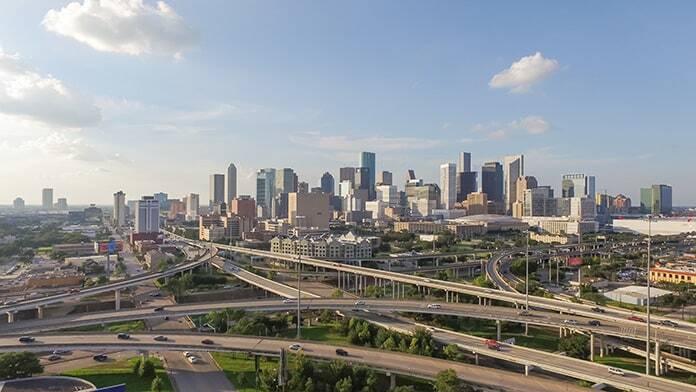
column 320, row 333
column 120, row 372
column 239, row 369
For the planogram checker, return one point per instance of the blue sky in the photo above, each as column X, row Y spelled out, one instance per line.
column 156, row 99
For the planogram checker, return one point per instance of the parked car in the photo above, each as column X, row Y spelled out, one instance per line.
column 161, row 338
column 27, row 339
column 341, row 352
column 100, row 357
column 123, row 336
column 295, row 347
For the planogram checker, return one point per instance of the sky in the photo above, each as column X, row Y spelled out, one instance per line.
column 144, row 96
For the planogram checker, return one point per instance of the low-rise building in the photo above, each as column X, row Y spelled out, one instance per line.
column 673, row 273
column 636, row 295
column 461, row 230
column 347, row 246
column 552, row 239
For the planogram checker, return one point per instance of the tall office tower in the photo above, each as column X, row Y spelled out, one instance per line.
column 362, row 179
column 582, row 208
column 578, row 185
column 119, row 217
column 464, row 162
column 285, row 181
column 231, row 183
column 217, row 189
column 656, row 200
column 492, row 181
column 243, row 206
column 303, row 187
column 367, row 159
column 309, row 209
column 62, row 204
column 147, row 215
column 192, row 206
column 327, row 183
column 388, row 194
column 448, row 188
column 524, row 183
column 346, row 174
column 265, row 189
column 18, row 203
column 514, row 168
column 47, row 198
column 385, row 178
column 466, row 183
column 538, row 201
column 163, row 199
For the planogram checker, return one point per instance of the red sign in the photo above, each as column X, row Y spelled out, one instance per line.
column 575, row 261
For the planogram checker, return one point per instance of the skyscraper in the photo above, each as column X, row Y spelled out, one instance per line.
column 192, row 206
column 231, row 182
column 514, row 168
column 448, row 189
column 578, row 185
column 163, row 199
column 464, row 162
column 327, row 183
column 657, row 199
column 147, row 215
column 346, row 174
column 18, row 203
column 265, row 189
column 466, row 183
column 217, row 189
column 492, row 181
column 119, row 217
column 47, row 198
column 367, row 159
column 385, row 178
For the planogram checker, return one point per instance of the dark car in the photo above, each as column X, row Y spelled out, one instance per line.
column 26, row 339
column 598, row 310
column 100, row 357
column 160, row 338
column 53, row 357
column 123, row 336
column 668, row 323
column 207, row 341
column 341, row 352
column 594, row 323
column 158, row 309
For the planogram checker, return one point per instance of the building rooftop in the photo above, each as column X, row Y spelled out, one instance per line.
column 639, row 292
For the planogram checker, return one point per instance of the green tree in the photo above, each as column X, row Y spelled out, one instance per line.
column 422, row 343
column 147, row 369
column 576, row 346
column 19, row 365
column 136, row 366
column 451, row 352
column 157, row 384
column 447, row 381
column 344, row 385
column 337, row 293
column 403, row 388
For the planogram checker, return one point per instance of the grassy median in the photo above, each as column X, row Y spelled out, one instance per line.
column 121, row 372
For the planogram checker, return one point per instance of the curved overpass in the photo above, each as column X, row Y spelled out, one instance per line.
column 377, row 359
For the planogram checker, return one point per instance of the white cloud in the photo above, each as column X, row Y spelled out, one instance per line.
column 532, row 125
column 524, row 73
column 372, row 143
column 29, row 95
column 62, row 146
column 123, row 26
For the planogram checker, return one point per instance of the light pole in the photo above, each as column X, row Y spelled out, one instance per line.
column 299, row 295
column 526, row 273
column 647, row 322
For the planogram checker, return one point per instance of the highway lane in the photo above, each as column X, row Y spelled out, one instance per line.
column 621, row 329
column 398, row 363
column 551, row 362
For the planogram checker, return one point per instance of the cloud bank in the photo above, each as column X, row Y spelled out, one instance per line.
column 524, row 73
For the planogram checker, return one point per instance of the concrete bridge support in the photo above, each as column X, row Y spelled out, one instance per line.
column 592, row 347
column 497, row 329
column 117, row 299
column 527, row 368
column 10, row 317
column 40, row 312
column 658, row 359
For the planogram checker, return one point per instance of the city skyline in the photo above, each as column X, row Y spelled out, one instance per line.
column 86, row 98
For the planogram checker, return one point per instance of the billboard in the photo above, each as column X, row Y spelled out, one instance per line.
column 108, row 246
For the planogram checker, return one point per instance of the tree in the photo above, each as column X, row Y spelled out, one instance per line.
column 344, row 385
column 19, row 365
column 147, row 369
column 447, row 381
column 403, row 388
column 576, row 346
column 422, row 343
column 451, row 352
column 136, row 366
column 157, row 384
column 337, row 293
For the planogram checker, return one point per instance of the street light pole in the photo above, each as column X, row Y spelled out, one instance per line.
column 299, row 295
column 647, row 322
column 526, row 281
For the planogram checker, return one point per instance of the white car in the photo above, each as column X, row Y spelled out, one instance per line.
column 359, row 303
column 569, row 321
column 194, row 359
column 616, row 371
column 189, row 354
column 434, row 306
column 295, row 347
column 288, row 301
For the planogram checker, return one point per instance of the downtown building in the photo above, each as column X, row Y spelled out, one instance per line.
column 656, row 200
column 327, row 246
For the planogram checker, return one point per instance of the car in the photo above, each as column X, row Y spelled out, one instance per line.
column 27, row 339
column 160, row 338
column 597, row 310
column 434, row 306
column 668, row 323
column 156, row 294
column 359, row 303
column 594, row 323
column 426, row 280
column 123, row 336
column 100, row 357
column 616, row 371
column 288, row 300
column 194, row 359
column 53, row 357
column 524, row 312
column 341, row 352
column 159, row 309
column 188, row 354
column 493, row 344
column 636, row 318
column 295, row 347
column 61, row 352
column 207, row 341
column 570, row 321
column 72, row 291
column 166, row 318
